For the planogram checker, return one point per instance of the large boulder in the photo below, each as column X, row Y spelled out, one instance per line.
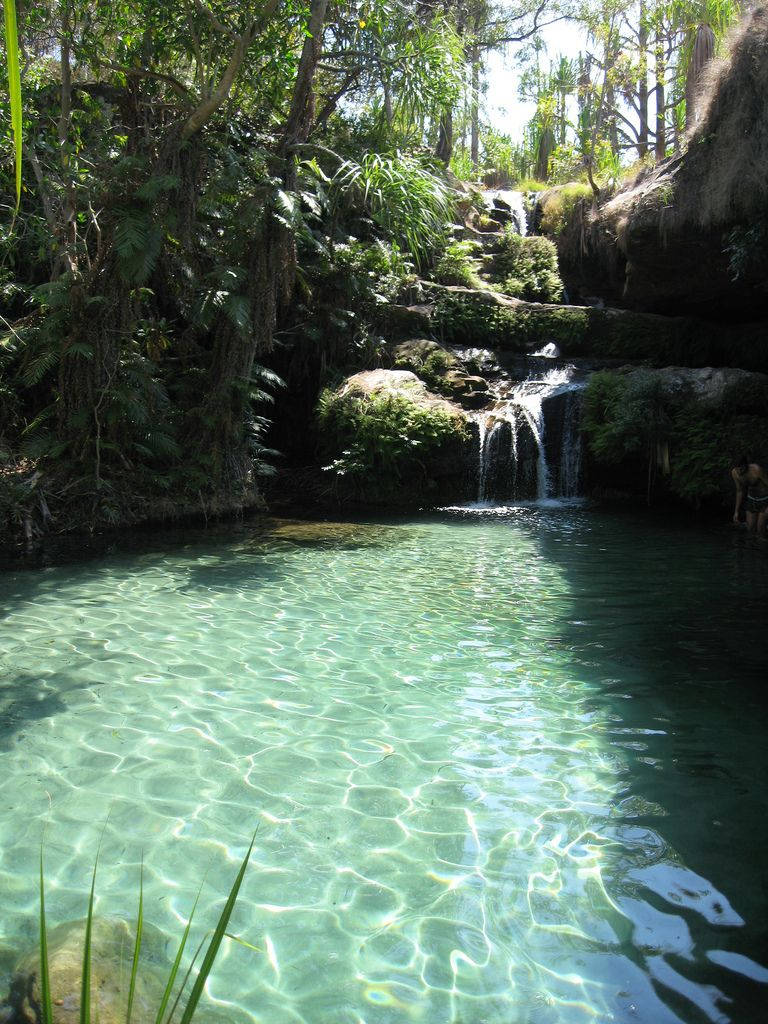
column 112, row 953
column 387, row 439
column 402, row 383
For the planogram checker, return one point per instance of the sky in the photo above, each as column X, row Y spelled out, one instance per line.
column 505, row 112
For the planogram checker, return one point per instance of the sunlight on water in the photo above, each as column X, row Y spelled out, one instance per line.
column 483, row 786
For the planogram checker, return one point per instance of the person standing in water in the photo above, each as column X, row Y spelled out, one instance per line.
column 751, row 482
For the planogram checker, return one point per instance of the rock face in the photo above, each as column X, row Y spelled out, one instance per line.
column 674, row 432
column 463, row 316
column 706, row 384
column 690, row 236
column 112, row 954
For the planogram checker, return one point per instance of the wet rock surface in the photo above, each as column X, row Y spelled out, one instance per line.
column 112, row 952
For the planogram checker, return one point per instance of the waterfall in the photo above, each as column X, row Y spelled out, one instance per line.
column 507, row 205
column 517, row 459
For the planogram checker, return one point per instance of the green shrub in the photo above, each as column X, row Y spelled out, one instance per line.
column 531, row 185
column 456, row 265
column 371, row 272
column 624, row 416
column 431, row 368
column 527, row 268
column 343, row 289
column 382, row 436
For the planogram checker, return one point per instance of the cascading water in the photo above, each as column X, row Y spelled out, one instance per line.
column 515, row 460
column 506, row 204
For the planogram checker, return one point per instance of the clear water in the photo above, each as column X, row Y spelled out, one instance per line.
column 504, row 768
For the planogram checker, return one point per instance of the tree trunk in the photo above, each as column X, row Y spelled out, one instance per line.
column 302, row 103
column 642, row 86
column 270, row 281
column 444, row 148
column 474, row 111
column 388, row 111
column 660, row 72
column 613, row 128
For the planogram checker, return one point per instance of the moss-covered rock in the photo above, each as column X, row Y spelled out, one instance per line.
column 555, row 207
column 401, row 321
column 386, row 438
column 441, row 371
column 463, row 316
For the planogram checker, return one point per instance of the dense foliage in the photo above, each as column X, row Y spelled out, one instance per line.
column 671, row 440
column 527, row 268
column 193, row 187
column 384, row 438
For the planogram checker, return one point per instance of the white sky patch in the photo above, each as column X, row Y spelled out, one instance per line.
column 501, row 105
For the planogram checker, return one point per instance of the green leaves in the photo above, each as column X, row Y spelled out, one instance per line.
column 14, row 86
column 138, row 241
column 46, row 1007
column 219, row 933
column 85, row 981
column 403, row 195
column 137, row 946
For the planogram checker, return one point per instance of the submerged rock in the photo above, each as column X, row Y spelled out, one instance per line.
column 112, row 953
column 329, row 533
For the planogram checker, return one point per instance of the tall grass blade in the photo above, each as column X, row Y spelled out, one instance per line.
column 177, row 961
column 14, row 85
column 137, row 945
column 85, row 981
column 46, row 1008
column 185, row 979
column 218, row 935
column 248, row 945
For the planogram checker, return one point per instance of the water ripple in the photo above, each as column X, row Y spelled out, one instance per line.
column 462, row 780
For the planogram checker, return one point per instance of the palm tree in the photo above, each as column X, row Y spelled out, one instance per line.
column 564, row 81
column 705, row 23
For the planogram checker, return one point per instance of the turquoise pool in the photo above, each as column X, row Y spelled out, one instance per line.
column 504, row 767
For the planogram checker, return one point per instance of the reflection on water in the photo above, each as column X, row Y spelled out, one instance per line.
column 502, row 767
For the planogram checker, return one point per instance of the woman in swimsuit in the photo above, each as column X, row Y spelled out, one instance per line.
column 751, row 482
